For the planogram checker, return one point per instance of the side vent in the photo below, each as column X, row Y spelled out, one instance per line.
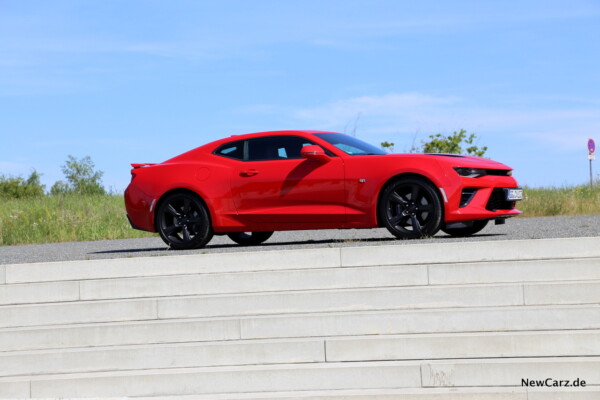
column 466, row 196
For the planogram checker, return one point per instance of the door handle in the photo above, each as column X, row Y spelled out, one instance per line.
column 249, row 172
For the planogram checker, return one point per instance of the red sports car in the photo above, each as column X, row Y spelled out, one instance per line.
column 251, row 185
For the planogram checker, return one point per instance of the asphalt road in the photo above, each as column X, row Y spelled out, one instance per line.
column 514, row 229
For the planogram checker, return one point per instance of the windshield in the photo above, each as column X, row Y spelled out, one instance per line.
column 350, row 145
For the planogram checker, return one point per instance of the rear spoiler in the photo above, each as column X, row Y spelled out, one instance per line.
column 142, row 165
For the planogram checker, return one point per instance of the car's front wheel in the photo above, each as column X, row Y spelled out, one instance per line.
column 183, row 222
column 410, row 208
column 249, row 238
column 466, row 231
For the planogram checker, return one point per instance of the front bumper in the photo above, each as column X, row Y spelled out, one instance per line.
column 482, row 198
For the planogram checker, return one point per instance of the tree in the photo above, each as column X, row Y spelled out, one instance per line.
column 388, row 145
column 81, row 178
column 59, row 188
column 439, row 143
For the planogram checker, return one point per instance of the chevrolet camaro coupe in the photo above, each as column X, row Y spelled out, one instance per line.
column 249, row 186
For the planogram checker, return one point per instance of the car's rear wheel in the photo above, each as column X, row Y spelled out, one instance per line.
column 183, row 222
column 466, row 231
column 410, row 208
column 249, row 238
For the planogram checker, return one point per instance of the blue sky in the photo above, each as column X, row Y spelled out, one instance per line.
column 142, row 81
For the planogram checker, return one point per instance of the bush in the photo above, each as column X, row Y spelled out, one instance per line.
column 19, row 188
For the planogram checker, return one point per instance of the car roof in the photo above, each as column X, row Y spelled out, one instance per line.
column 276, row 133
column 216, row 143
column 209, row 147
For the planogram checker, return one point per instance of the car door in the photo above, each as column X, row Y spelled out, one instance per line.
column 275, row 184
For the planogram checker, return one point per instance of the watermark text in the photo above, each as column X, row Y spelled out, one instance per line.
column 551, row 382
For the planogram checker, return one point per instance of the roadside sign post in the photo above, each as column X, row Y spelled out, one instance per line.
column 591, row 156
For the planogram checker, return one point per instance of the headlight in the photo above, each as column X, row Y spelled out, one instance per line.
column 470, row 172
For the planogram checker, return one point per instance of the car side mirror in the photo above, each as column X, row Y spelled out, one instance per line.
column 314, row 152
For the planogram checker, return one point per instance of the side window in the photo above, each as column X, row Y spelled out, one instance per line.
column 233, row 150
column 276, row 148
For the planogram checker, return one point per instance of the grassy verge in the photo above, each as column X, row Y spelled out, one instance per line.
column 545, row 202
column 51, row 219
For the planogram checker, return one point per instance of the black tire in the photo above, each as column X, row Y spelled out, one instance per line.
column 249, row 238
column 468, row 230
column 411, row 208
column 183, row 222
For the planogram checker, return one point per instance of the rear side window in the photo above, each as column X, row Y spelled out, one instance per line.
column 233, row 150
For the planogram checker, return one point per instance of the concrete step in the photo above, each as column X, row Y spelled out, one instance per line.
column 342, row 300
column 538, row 271
column 515, row 271
column 493, row 319
column 119, row 333
column 460, row 252
column 493, row 393
column 173, row 265
column 457, row 320
column 370, row 394
column 563, row 293
column 77, row 312
column 296, row 377
column 248, row 352
column 478, row 373
column 209, row 306
column 14, row 390
column 161, row 356
column 342, row 278
column 39, row 293
column 464, row 345
column 309, row 279
column 249, row 282
column 431, row 253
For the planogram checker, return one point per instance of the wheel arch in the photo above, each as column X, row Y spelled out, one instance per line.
column 401, row 176
column 179, row 190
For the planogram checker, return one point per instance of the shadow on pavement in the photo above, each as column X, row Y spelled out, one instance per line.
column 129, row 250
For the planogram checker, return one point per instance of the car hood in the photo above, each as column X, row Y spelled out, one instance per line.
column 456, row 160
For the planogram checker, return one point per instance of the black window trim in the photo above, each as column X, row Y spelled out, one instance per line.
column 246, row 150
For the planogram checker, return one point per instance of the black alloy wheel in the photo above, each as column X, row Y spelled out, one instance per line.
column 411, row 208
column 183, row 222
column 249, row 238
column 468, row 230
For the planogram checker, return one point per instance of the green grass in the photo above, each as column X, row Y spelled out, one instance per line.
column 575, row 200
column 51, row 219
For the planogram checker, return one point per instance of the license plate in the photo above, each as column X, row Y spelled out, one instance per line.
column 513, row 194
